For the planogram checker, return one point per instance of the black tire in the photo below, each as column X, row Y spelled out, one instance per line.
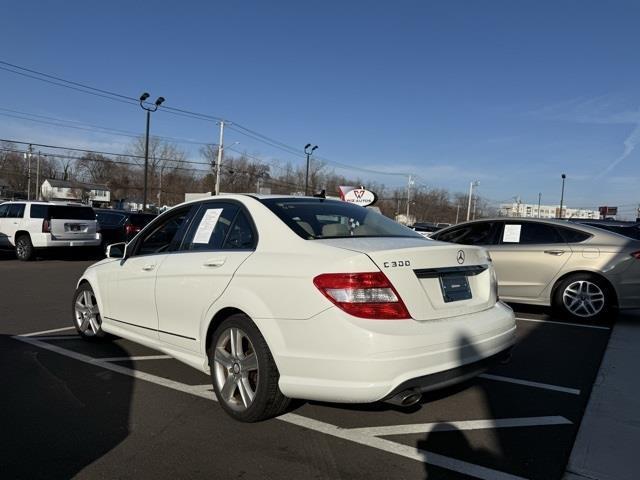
column 90, row 332
column 24, row 248
column 583, row 297
column 268, row 401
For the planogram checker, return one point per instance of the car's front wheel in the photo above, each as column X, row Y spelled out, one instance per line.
column 243, row 372
column 86, row 314
column 583, row 297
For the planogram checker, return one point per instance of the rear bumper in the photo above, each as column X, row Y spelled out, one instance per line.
column 46, row 240
column 335, row 357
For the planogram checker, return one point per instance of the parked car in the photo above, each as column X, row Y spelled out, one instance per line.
column 27, row 226
column 425, row 229
column 120, row 225
column 299, row 297
column 581, row 270
column 628, row 229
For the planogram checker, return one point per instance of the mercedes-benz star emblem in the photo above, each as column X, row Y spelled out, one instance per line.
column 460, row 257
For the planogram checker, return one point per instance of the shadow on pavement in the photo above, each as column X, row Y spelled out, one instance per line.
column 58, row 415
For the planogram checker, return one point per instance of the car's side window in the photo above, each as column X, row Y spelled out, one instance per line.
column 16, row 210
column 529, row 233
column 3, row 210
column 217, row 226
column 573, row 236
column 480, row 233
column 240, row 235
column 166, row 235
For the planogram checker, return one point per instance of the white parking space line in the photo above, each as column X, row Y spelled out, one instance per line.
column 528, row 383
column 54, row 330
column 568, row 324
column 399, row 449
column 362, row 436
column 447, row 426
column 182, row 387
column 136, row 358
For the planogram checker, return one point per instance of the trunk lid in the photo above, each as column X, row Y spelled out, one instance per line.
column 72, row 223
column 431, row 277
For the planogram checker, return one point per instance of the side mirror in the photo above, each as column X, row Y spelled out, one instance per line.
column 116, row 250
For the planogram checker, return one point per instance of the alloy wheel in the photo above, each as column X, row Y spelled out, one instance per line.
column 583, row 298
column 87, row 313
column 236, row 369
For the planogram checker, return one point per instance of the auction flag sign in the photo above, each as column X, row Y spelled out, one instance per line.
column 358, row 195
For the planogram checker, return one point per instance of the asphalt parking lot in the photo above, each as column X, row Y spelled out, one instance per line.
column 120, row 410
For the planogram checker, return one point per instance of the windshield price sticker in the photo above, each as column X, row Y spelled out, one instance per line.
column 511, row 234
column 207, row 225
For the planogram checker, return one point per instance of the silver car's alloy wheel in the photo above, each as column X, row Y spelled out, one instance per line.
column 87, row 313
column 236, row 369
column 583, row 298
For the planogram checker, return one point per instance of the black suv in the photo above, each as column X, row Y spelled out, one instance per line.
column 119, row 225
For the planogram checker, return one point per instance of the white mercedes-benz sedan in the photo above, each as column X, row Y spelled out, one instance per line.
column 282, row 297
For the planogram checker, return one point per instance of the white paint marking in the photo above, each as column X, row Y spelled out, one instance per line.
column 545, row 386
column 446, row 426
column 398, row 449
column 54, row 330
column 165, row 382
column 135, row 358
column 598, row 327
column 354, row 435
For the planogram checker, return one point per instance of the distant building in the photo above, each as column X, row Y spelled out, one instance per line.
column 529, row 210
column 69, row 191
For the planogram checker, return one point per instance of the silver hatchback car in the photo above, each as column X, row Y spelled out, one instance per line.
column 582, row 271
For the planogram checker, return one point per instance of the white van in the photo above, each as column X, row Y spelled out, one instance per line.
column 26, row 226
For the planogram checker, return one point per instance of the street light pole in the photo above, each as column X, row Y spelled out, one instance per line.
column 219, row 159
column 539, row 198
column 562, row 195
column 153, row 108
column 471, row 185
column 308, row 153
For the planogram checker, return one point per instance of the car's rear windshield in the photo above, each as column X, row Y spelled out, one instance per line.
column 318, row 218
column 111, row 218
column 140, row 219
column 63, row 212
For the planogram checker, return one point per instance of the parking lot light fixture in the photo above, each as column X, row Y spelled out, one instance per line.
column 308, row 153
column 149, row 108
column 562, row 196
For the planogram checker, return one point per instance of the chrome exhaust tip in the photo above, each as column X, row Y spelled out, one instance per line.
column 405, row 398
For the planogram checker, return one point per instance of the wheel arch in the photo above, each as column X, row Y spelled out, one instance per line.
column 598, row 275
column 20, row 233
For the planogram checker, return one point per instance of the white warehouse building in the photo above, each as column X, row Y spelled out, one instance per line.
column 530, row 210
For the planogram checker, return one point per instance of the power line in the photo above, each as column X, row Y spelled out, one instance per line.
column 83, row 88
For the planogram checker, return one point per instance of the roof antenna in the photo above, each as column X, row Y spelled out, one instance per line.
column 321, row 194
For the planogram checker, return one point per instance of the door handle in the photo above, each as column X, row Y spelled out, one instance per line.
column 148, row 268
column 557, row 253
column 214, row 262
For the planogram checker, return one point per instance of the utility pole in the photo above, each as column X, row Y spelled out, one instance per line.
column 457, row 213
column 38, row 177
column 409, row 183
column 475, row 202
column 219, row 161
column 471, row 185
column 28, row 157
column 539, row 198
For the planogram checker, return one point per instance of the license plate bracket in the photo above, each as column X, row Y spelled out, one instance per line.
column 455, row 288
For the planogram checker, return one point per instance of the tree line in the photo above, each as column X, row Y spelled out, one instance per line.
column 171, row 174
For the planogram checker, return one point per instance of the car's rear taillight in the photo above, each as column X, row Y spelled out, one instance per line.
column 46, row 226
column 131, row 229
column 365, row 295
column 636, row 255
